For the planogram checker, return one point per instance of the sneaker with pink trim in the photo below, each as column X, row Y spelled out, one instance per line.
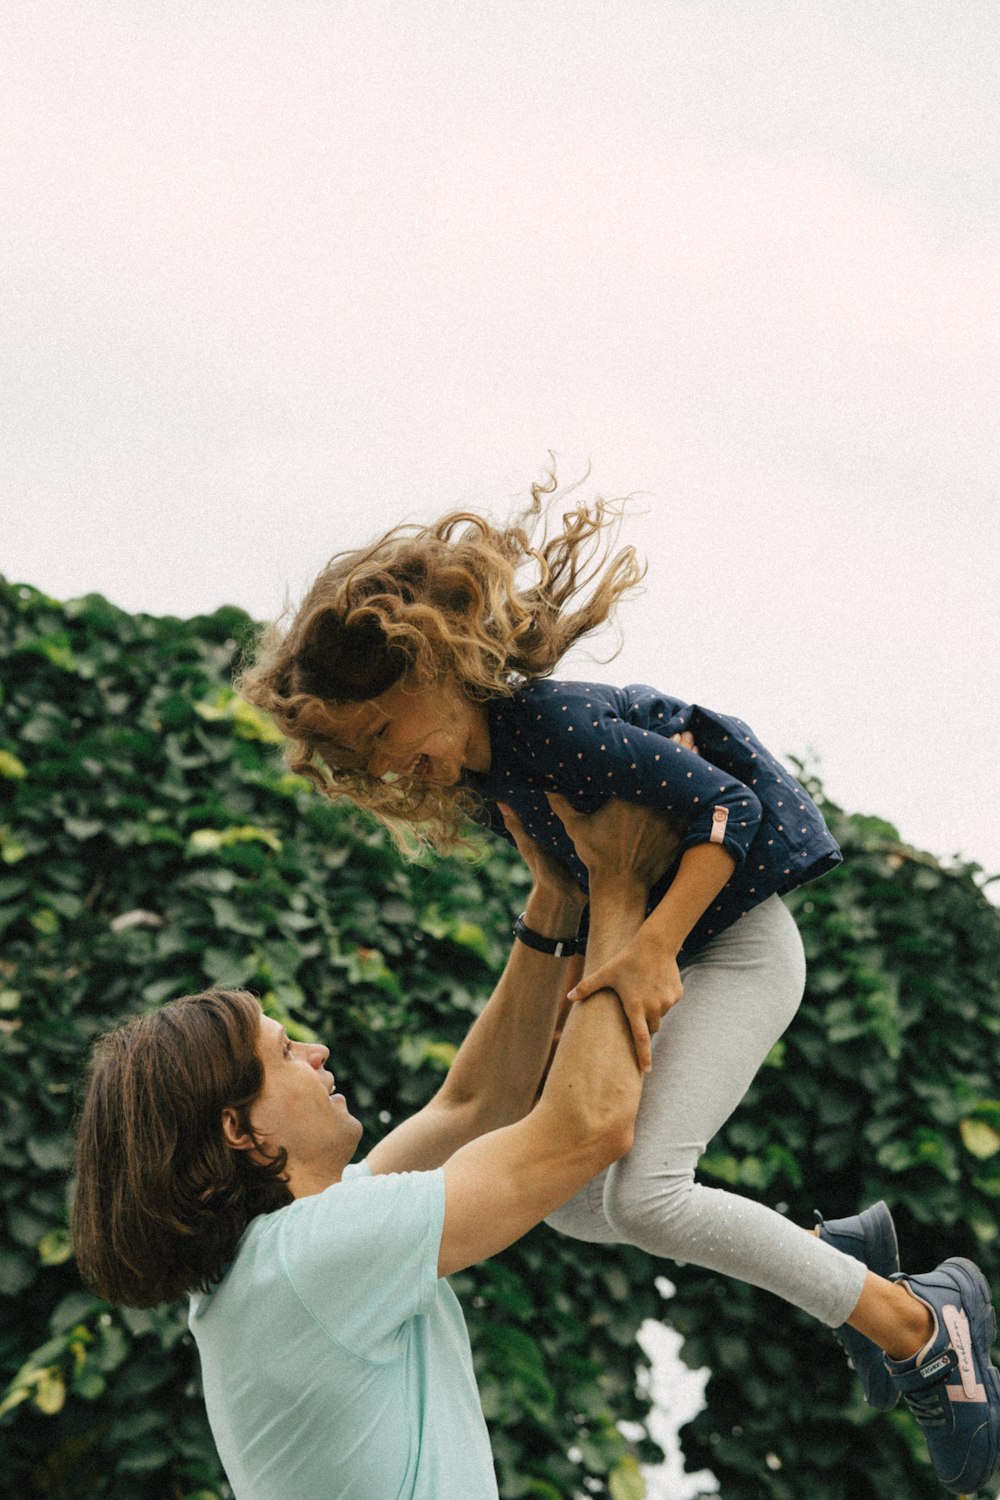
column 950, row 1385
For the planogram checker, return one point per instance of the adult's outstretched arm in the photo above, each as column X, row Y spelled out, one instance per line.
column 503, row 1184
column 497, row 1072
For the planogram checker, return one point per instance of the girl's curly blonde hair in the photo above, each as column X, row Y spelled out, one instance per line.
column 465, row 605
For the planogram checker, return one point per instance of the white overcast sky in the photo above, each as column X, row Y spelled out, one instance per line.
column 277, row 275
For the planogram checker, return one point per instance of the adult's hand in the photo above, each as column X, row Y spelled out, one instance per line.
column 549, row 874
column 623, row 844
column 622, row 840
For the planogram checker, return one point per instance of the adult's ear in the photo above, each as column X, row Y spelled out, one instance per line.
column 235, row 1136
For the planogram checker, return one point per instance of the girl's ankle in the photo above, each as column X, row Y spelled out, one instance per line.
column 916, row 1326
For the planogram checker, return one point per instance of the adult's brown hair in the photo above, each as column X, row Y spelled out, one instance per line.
column 161, row 1199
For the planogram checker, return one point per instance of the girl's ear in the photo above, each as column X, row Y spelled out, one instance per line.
column 235, row 1137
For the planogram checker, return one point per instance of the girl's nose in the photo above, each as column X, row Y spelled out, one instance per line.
column 381, row 763
column 378, row 764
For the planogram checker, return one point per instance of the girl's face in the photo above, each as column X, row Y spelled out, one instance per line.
column 430, row 733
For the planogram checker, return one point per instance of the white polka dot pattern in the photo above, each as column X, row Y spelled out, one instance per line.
column 590, row 742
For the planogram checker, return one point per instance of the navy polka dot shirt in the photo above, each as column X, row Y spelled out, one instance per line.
column 590, row 742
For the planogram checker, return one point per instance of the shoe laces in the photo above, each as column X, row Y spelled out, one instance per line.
column 926, row 1406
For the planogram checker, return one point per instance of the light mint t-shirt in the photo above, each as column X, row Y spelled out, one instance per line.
column 336, row 1364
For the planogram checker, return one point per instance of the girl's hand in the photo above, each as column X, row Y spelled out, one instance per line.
column 647, row 981
column 546, row 871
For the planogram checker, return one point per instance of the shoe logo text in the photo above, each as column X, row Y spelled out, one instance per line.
column 957, row 1324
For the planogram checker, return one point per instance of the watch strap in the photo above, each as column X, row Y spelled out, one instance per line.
column 555, row 947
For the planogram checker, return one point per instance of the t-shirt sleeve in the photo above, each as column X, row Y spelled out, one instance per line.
column 587, row 749
column 362, row 1256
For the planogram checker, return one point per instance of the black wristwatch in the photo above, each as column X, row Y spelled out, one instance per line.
column 556, row 947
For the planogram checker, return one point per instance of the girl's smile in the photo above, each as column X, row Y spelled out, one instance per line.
column 430, row 733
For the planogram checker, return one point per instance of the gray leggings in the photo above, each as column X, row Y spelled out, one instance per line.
column 740, row 993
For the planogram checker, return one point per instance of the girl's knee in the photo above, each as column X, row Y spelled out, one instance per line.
column 648, row 1211
column 583, row 1218
column 568, row 1221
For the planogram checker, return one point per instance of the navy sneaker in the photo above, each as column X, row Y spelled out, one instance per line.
column 950, row 1385
column 870, row 1237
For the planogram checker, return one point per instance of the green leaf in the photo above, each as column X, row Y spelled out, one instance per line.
column 55, row 1248
column 469, row 935
column 16, row 1273
column 83, row 828
column 983, row 1224
column 149, row 1459
column 625, row 1482
column 210, row 840
column 416, row 1051
column 50, row 1392
column 25, row 1228
column 248, row 722
column 11, row 767
column 229, row 970
column 13, row 1397
column 205, row 841
column 113, row 1349
column 88, row 1383
column 138, row 1425
column 724, row 1167
column 73, row 1309
column 11, row 849
column 980, row 1139
column 617, row 1283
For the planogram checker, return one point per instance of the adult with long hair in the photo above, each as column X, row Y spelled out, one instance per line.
column 214, row 1159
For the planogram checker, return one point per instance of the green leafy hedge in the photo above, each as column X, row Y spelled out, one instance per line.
column 151, row 843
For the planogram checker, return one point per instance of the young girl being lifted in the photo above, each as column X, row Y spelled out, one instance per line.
column 415, row 680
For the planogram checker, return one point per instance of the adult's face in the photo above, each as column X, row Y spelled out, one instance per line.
column 299, row 1108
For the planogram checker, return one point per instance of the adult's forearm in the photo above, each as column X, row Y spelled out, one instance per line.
column 499, row 1066
column 594, row 1084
